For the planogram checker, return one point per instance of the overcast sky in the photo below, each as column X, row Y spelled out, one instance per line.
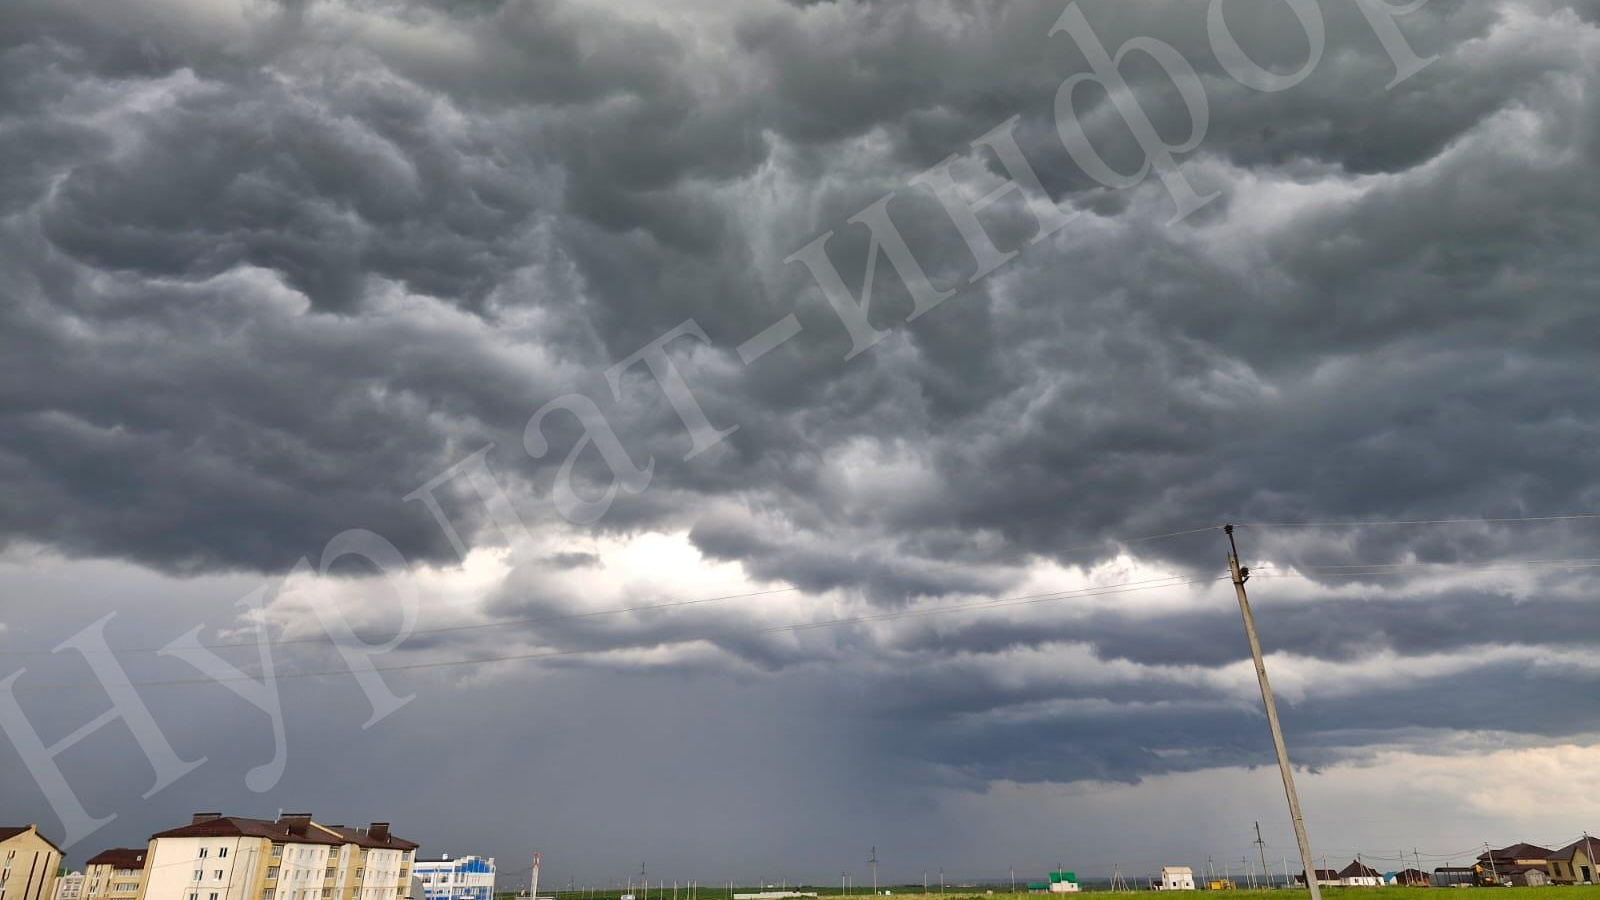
column 272, row 266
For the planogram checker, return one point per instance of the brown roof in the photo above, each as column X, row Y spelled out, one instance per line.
column 1569, row 850
column 7, row 832
column 1518, row 851
column 1357, row 870
column 119, row 858
column 239, row 826
column 374, row 838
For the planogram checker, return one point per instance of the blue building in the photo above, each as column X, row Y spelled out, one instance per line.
column 462, row 878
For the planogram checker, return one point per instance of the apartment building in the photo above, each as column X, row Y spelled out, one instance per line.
column 462, row 878
column 69, row 886
column 217, row 857
column 116, row 874
column 28, row 864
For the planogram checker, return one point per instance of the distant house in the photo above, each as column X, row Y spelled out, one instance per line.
column 1176, row 878
column 1038, row 887
column 1409, row 878
column 1516, row 856
column 1358, row 875
column 1451, row 876
column 1063, row 882
column 1525, row 876
column 1577, row 862
column 1325, row 878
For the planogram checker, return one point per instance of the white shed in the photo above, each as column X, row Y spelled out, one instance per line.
column 1176, row 878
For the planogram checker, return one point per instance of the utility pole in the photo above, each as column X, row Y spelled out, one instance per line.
column 1240, row 574
column 1427, row 882
column 533, row 885
column 1492, row 870
column 925, row 882
column 1266, row 874
column 1013, row 881
column 941, row 879
column 874, row 861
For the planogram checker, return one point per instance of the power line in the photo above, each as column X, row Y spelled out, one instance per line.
column 1290, row 571
column 1170, row 581
column 1385, row 524
column 1425, row 565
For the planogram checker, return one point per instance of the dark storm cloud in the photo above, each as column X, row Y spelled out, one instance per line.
column 272, row 267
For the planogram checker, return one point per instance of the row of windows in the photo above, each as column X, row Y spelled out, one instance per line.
column 222, row 852
column 216, row 874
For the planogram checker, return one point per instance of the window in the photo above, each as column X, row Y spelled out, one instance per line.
column 222, row 852
column 277, row 850
column 193, row 895
column 199, row 874
column 203, row 852
column 216, row 875
column 272, row 871
column 267, row 894
column 213, row 895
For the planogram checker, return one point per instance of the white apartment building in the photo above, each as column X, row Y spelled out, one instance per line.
column 462, row 878
column 69, row 886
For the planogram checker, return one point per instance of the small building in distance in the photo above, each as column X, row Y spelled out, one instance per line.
column 1325, row 878
column 116, row 874
column 1176, row 878
column 1358, row 875
column 68, row 886
column 1409, row 878
column 1516, row 856
column 462, row 878
column 1577, row 862
column 1451, row 876
column 1525, row 876
column 28, row 863
column 1038, row 887
column 1063, row 882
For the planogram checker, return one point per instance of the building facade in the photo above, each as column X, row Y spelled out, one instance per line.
column 1577, row 862
column 462, row 878
column 69, row 886
column 1176, row 878
column 218, row 857
column 116, row 874
column 28, row 864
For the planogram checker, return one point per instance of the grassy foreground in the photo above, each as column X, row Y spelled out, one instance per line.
column 1554, row 892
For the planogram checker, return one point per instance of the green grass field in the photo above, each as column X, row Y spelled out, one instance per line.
column 1555, row 892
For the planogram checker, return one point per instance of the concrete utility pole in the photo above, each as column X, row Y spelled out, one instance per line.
column 941, row 879
column 533, row 883
column 1266, row 874
column 1492, row 870
column 1013, row 881
column 1240, row 574
column 874, row 861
